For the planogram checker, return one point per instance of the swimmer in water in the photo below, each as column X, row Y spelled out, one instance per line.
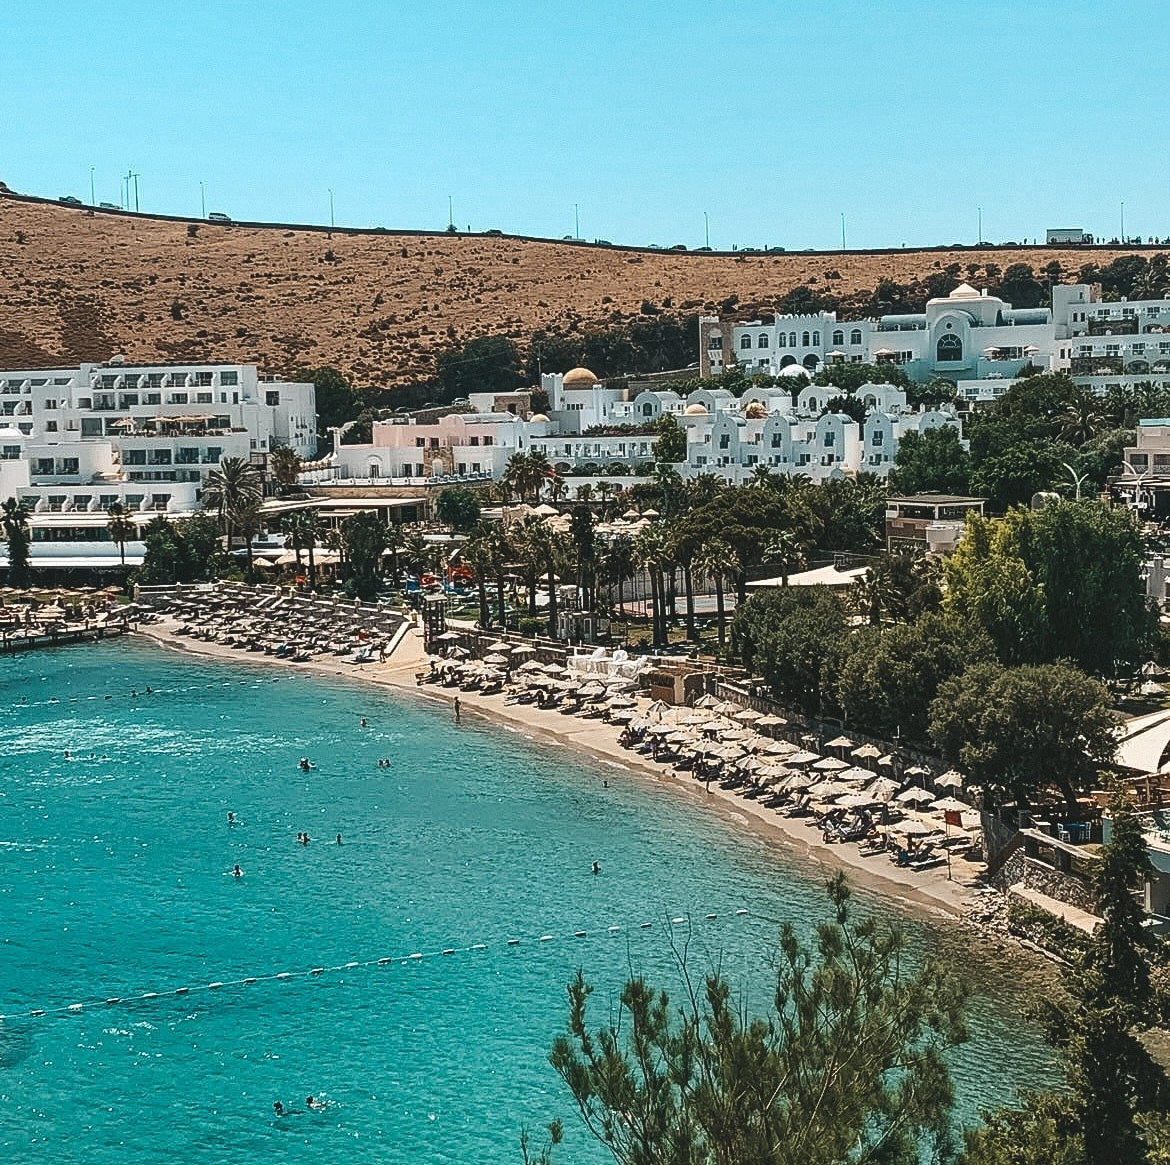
column 67, row 755
column 133, row 694
column 339, row 839
column 596, row 868
column 278, row 1108
column 231, row 818
column 313, row 1102
column 148, row 689
column 364, row 724
column 236, row 871
column 303, row 838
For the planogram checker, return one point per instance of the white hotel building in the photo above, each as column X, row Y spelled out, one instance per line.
column 75, row 441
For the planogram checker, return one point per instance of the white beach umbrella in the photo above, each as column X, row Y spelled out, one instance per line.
column 854, row 800
column 952, row 779
column 621, row 702
column 883, row 789
column 801, row 759
column 500, row 645
column 915, row 796
column 855, row 776
column 530, row 667
column 707, row 701
column 524, row 649
column 771, row 722
column 657, row 710
column 949, row 803
column 780, row 748
column 830, row 764
column 496, row 660
column 748, row 716
column 917, row 771
column 841, row 742
column 913, row 828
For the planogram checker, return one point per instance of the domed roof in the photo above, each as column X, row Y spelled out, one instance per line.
column 796, row 370
column 579, row 378
column 538, row 417
column 695, row 410
column 756, row 409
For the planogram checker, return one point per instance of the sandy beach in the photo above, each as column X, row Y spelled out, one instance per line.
column 926, row 891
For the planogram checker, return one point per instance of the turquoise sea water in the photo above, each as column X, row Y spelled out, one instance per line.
column 115, row 881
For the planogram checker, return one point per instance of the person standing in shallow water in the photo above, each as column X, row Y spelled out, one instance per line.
column 458, row 708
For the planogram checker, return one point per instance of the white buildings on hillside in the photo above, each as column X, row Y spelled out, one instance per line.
column 965, row 335
column 594, row 429
column 75, row 441
column 976, row 340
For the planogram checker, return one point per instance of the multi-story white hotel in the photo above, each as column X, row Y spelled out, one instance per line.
column 976, row 340
column 962, row 336
column 74, row 442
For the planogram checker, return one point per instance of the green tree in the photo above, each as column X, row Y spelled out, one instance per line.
column 200, row 549
column 889, row 677
column 1013, row 477
column 899, row 586
column 161, row 562
column 851, row 377
column 485, row 364
column 931, row 461
column 848, row 1064
column 1021, row 731
column 795, row 638
column 1064, row 581
column 336, row 400
column 365, row 540
column 121, row 528
column 476, row 555
column 249, row 520
column 671, row 443
column 14, row 515
column 285, row 463
column 458, row 508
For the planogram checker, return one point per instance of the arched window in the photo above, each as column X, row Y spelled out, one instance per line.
column 762, row 340
column 839, row 338
column 745, row 342
column 949, row 348
column 792, row 339
column 816, row 339
column 855, row 336
column 781, row 340
column 804, row 339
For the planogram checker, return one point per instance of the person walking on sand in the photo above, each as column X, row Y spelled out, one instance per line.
column 458, row 709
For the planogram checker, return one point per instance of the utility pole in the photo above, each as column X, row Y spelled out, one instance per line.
column 576, row 222
column 132, row 176
column 706, row 231
column 202, row 202
column 979, row 241
column 331, row 209
column 842, row 230
column 1123, row 220
column 92, row 197
column 450, row 213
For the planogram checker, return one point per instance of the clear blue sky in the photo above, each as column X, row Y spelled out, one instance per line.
column 775, row 118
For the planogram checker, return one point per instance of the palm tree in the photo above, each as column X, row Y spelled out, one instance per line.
column 14, row 515
column 541, row 471
column 619, row 566
column 419, row 554
column 785, row 549
column 556, row 486
column 230, row 489
column 605, row 490
column 650, row 553
column 476, row 554
column 584, row 493
column 718, row 562
column 683, row 548
column 1081, row 420
column 121, row 528
column 285, row 463
column 500, row 552
column 249, row 521
column 395, row 541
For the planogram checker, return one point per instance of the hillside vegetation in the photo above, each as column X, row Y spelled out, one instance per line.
column 380, row 307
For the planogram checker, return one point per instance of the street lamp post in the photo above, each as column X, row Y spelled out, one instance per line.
column 202, row 202
column 1140, row 477
column 92, row 196
column 331, row 208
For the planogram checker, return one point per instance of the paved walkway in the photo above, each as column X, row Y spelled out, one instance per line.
column 1081, row 919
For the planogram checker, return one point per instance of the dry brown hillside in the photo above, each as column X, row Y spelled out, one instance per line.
column 83, row 286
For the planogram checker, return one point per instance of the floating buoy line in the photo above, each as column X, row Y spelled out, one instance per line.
column 411, row 959
column 140, row 694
